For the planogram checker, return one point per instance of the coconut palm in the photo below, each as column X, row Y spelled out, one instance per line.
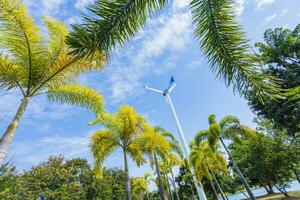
column 167, row 164
column 154, row 145
column 228, row 128
column 124, row 130
column 140, row 185
column 219, row 35
column 206, row 162
column 34, row 65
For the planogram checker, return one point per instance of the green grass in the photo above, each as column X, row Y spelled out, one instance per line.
column 278, row 196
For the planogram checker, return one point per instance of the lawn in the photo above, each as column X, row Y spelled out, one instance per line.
column 293, row 196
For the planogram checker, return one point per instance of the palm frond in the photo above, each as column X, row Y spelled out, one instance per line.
column 66, row 68
column 57, row 35
column 11, row 74
column 228, row 120
column 76, row 94
column 20, row 36
column 225, row 45
column 293, row 94
column 116, row 22
column 102, row 145
column 201, row 136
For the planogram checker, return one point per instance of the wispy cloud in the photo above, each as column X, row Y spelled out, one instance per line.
column 31, row 152
column 82, row 4
column 270, row 18
column 261, row 4
column 194, row 64
column 239, row 6
column 170, row 32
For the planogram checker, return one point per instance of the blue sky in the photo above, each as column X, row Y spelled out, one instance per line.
column 165, row 47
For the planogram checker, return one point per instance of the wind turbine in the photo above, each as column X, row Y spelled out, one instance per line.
column 166, row 94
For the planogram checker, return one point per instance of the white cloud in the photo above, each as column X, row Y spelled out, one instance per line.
column 31, row 152
column 261, row 4
column 51, row 5
column 165, row 33
column 82, row 4
column 194, row 64
column 239, row 6
column 270, row 18
column 180, row 3
column 283, row 12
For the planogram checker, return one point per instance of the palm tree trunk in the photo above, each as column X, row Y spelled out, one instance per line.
column 296, row 172
column 127, row 178
column 9, row 134
column 214, row 190
column 169, row 186
column 174, row 185
column 216, row 181
column 160, row 183
column 239, row 172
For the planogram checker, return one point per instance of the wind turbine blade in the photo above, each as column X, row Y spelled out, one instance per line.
column 172, row 87
column 154, row 90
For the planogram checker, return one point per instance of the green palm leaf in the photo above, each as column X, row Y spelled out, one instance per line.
column 20, row 37
column 76, row 94
column 224, row 43
column 116, row 22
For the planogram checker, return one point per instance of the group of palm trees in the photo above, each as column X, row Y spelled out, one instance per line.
column 128, row 131
column 36, row 65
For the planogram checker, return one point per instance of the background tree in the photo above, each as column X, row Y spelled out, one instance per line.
column 61, row 179
column 54, row 179
column 230, row 128
column 140, row 186
column 219, row 35
column 8, row 182
column 259, row 160
column 124, row 130
column 185, row 183
column 34, row 65
column 280, row 58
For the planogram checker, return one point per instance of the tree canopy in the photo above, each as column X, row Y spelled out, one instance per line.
column 280, row 57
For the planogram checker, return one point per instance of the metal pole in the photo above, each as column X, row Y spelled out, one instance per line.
column 200, row 191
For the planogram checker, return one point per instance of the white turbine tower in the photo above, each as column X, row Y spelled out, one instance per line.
column 166, row 94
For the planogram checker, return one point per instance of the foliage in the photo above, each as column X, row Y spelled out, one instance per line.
column 259, row 160
column 8, row 182
column 185, row 183
column 61, row 179
column 122, row 130
column 280, row 57
column 32, row 63
column 203, row 158
column 220, row 37
column 229, row 127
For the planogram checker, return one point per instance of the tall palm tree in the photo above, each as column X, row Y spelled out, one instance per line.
column 207, row 162
column 35, row 65
column 228, row 128
column 124, row 130
column 167, row 164
column 155, row 144
column 140, row 185
column 220, row 37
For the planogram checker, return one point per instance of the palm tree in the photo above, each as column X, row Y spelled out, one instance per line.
column 206, row 162
column 34, row 66
column 140, row 185
column 124, row 130
column 228, row 128
column 155, row 144
column 220, row 37
column 168, row 162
